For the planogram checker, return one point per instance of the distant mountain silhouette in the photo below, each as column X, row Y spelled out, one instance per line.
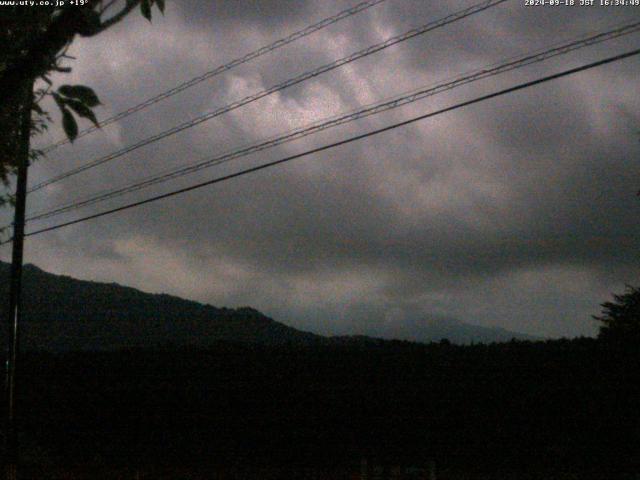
column 63, row 313
column 434, row 328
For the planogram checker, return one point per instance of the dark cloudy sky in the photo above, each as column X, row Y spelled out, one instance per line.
column 519, row 212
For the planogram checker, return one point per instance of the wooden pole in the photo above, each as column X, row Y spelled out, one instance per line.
column 14, row 312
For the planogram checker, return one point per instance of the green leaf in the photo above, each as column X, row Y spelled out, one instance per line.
column 85, row 94
column 145, row 8
column 160, row 5
column 82, row 110
column 69, row 124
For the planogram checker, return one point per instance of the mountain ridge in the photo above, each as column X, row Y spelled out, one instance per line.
column 65, row 313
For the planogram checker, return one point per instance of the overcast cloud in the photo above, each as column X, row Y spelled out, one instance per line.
column 518, row 212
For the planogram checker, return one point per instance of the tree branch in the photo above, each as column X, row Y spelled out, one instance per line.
column 42, row 52
column 131, row 4
column 104, row 8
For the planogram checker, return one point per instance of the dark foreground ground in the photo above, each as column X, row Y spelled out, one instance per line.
column 553, row 410
column 304, row 473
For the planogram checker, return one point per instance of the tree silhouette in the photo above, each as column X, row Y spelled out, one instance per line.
column 620, row 320
column 34, row 44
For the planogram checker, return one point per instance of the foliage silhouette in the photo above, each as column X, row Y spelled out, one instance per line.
column 34, row 45
column 518, row 409
column 620, row 319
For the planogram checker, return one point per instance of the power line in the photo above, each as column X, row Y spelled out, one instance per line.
column 339, row 143
column 489, row 71
column 339, row 120
column 276, row 88
column 223, row 68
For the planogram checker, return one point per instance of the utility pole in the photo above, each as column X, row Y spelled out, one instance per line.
column 14, row 312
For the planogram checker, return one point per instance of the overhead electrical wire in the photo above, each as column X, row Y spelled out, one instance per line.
column 213, row 181
column 223, row 68
column 477, row 8
column 315, row 127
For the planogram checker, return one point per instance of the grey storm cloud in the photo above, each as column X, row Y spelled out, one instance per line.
column 519, row 212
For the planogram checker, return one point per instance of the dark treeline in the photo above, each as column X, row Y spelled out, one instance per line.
column 564, row 405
